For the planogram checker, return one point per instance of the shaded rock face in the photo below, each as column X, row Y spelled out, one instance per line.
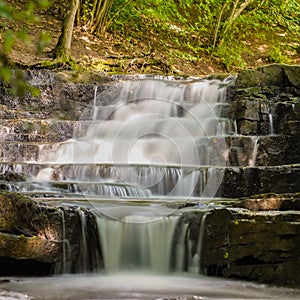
column 242, row 182
column 37, row 239
column 260, row 242
column 256, row 246
column 265, row 104
column 266, row 100
column 51, row 116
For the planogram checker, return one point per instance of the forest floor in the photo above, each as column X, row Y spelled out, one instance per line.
column 111, row 53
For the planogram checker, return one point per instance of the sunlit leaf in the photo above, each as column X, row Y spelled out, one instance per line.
column 8, row 41
column 5, row 74
column 23, row 35
column 34, row 91
column 6, row 11
column 43, row 3
column 44, row 40
column 30, row 6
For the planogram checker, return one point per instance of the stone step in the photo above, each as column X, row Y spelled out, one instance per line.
column 58, row 100
column 37, row 130
column 6, row 113
column 256, row 114
column 77, row 190
column 32, row 138
column 243, row 182
column 203, row 181
column 271, row 150
column 240, row 150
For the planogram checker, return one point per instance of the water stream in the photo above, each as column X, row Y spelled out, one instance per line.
column 134, row 163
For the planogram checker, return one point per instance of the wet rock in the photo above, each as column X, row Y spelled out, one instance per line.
column 30, row 248
column 283, row 112
column 277, row 150
column 240, row 150
column 49, row 238
column 252, row 116
column 245, row 109
column 271, row 201
column 9, row 295
column 59, row 97
column 260, row 246
column 242, row 182
column 37, row 130
column 248, row 78
column 266, row 97
column 293, row 75
column 12, row 176
column 272, row 75
column 292, row 128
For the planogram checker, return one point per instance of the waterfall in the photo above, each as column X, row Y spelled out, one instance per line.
column 95, row 107
column 63, row 266
column 148, row 243
column 252, row 161
column 271, row 126
column 84, row 245
column 162, row 137
column 158, row 129
column 138, row 158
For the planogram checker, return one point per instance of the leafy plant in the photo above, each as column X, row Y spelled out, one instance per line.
column 276, row 55
column 10, row 16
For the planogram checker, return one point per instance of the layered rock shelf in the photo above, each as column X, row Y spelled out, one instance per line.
column 38, row 239
column 260, row 246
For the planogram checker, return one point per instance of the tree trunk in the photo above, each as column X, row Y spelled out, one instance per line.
column 63, row 47
column 236, row 11
column 101, row 16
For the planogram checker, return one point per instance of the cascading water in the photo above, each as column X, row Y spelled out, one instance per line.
column 143, row 246
column 156, row 144
column 157, row 136
column 140, row 162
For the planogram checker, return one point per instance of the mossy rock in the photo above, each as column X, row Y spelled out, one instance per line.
column 275, row 75
column 293, row 75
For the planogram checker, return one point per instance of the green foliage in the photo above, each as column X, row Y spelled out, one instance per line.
column 219, row 28
column 13, row 18
column 44, row 40
column 276, row 55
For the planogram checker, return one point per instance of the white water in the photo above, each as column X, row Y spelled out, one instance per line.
column 160, row 140
column 137, row 242
column 252, row 160
column 140, row 286
column 161, row 137
column 84, row 245
column 154, row 124
column 271, row 126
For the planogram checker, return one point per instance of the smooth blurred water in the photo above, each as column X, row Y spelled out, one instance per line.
column 139, row 287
